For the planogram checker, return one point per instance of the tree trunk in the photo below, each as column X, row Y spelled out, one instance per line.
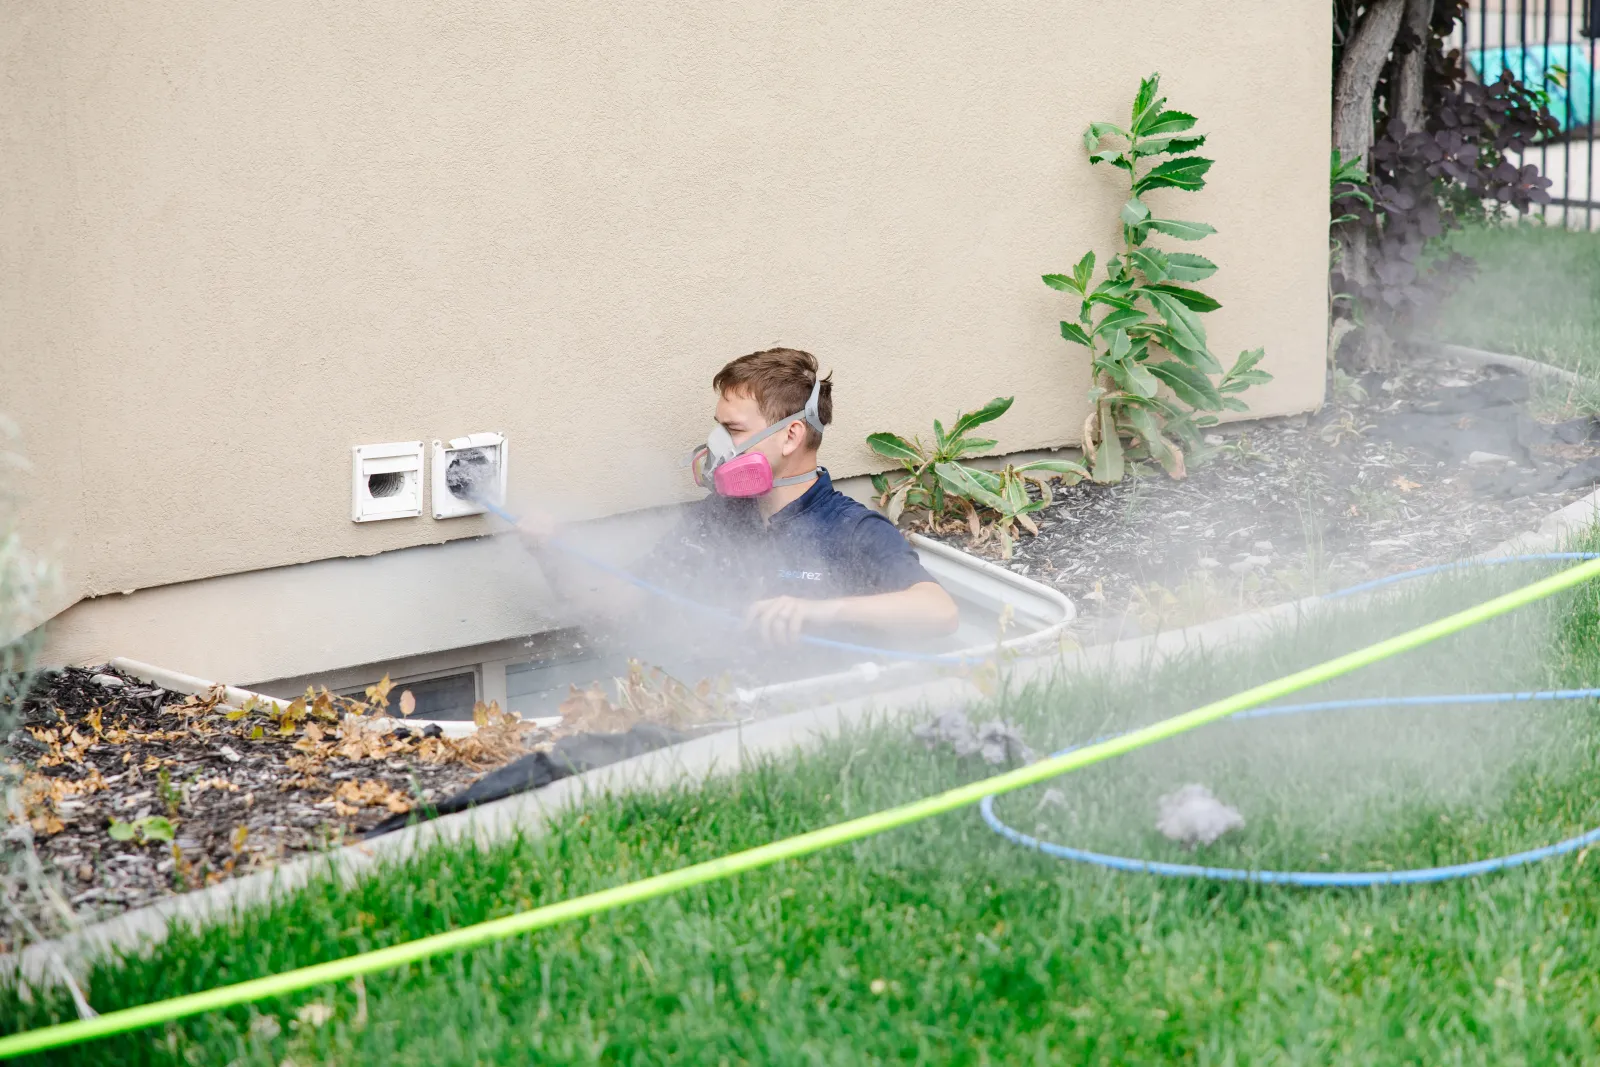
column 1354, row 85
column 1357, row 80
column 1355, row 261
column 1407, row 103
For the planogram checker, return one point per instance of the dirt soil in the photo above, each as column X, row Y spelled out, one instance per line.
column 133, row 792
column 1434, row 463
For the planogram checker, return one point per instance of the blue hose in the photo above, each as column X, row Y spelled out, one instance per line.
column 1341, row 879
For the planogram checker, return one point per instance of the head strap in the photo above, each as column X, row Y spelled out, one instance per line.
column 811, row 413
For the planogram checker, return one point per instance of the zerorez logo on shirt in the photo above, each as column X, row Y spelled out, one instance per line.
column 802, row 576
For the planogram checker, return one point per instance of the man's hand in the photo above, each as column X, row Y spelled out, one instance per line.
column 781, row 620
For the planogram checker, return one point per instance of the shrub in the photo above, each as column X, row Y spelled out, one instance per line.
column 1150, row 366
column 1434, row 147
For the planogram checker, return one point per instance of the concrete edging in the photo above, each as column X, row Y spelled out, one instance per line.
column 1521, row 364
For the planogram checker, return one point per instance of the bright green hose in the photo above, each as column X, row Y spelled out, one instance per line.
column 127, row 1019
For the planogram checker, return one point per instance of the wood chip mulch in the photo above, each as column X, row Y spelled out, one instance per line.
column 132, row 792
column 1313, row 503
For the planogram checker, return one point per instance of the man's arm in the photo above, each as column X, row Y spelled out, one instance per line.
column 899, row 597
column 923, row 610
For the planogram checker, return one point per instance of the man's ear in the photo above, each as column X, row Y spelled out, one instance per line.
column 794, row 438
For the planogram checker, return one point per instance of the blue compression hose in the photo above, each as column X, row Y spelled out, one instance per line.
column 1341, row 879
column 1315, row 879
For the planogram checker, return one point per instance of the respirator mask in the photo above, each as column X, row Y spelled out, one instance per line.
column 733, row 470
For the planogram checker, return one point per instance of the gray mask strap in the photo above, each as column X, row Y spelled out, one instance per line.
column 782, row 424
column 808, row 414
column 795, row 479
column 811, row 413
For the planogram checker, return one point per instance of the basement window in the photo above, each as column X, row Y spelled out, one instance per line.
column 536, row 689
column 449, row 696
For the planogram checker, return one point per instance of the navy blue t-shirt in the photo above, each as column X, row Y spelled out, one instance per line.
column 823, row 544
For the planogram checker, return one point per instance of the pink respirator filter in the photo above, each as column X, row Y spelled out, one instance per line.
column 746, row 475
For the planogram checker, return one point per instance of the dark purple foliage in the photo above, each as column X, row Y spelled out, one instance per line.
column 1428, row 181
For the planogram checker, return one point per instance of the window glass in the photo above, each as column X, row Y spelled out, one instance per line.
column 449, row 697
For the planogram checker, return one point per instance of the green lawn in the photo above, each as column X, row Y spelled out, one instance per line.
column 1536, row 294
column 944, row 944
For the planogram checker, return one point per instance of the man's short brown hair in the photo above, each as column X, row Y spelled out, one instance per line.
column 780, row 380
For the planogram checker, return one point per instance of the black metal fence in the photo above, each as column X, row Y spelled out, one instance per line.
column 1549, row 44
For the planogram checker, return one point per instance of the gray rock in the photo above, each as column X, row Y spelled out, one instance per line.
column 108, row 681
column 1580, row 476
column 1491, row 392
column 583, row 752
column 1486, row 459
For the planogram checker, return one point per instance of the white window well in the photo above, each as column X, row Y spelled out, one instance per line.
column 467, row 471
column 386, row 481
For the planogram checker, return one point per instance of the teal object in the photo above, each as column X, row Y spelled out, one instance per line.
column 1572, row 105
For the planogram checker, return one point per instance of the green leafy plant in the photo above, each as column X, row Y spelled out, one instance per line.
column 170, row 794
column 1347, row 196
column 1347, row 179
column 936, row 484
column 150, row 828
column 1151, row 368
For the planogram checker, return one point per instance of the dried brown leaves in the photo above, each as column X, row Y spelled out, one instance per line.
column 501, row 736
column 647, row 694
column 248, row 792
column 350, row 797
column 43, row 797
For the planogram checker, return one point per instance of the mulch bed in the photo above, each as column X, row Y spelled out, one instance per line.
column 1432, row 463
column 133, row 793
column 202, row 792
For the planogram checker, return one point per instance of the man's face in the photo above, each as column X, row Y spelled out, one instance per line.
column 741, row 416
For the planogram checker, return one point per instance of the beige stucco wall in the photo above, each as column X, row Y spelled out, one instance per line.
column 40, row 298
column 238, row 238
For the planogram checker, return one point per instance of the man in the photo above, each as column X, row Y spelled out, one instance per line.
column 775, row 539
